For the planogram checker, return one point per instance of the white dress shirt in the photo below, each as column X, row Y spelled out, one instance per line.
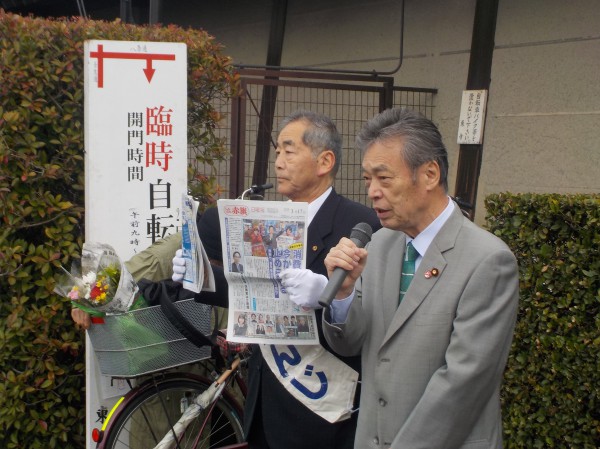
column 340, row 307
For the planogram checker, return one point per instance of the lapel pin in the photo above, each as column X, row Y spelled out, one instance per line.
column 314, row 248
column 433, row 272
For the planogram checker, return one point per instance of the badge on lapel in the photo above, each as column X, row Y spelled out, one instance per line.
column 431, row 273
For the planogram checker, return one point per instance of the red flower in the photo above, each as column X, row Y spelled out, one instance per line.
column 96, row 292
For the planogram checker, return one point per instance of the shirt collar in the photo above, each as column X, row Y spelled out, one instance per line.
column 315, row 205
column 422, row 241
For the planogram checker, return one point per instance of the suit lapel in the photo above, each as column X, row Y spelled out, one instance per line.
column 320, row 227
column 420, row 285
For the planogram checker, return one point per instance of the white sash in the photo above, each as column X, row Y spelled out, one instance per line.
column 315, row 377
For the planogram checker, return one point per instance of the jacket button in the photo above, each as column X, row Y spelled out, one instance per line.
column 382, row 402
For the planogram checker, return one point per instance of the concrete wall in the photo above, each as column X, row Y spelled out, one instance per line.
column 543, row 123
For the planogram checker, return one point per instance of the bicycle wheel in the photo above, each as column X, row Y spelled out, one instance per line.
column 148, row 416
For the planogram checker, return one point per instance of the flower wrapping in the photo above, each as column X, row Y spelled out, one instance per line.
column 99, row 283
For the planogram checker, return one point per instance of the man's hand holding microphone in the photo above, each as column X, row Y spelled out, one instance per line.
column 345, row 263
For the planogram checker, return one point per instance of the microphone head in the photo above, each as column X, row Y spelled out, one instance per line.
column 361, row 234
column 257, row 188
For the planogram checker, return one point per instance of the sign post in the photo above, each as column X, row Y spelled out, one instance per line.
column 135, row 163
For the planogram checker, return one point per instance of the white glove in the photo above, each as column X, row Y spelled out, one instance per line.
column 303, row 286
column 178, row 266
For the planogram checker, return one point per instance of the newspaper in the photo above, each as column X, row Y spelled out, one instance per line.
column 260, row 239
column 198, row 274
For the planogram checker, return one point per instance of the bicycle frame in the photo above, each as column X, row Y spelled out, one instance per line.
column 151, row 384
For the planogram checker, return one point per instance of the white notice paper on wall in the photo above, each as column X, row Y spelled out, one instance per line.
column 472, row 117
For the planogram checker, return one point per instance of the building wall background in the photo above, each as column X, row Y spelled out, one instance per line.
column 542, row 132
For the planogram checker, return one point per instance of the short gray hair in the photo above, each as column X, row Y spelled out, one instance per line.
column 321, row 134
column 422, row 139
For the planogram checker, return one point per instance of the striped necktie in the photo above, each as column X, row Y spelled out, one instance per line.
column 408, row 268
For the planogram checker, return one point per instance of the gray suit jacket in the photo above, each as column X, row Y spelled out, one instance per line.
column 432, row 367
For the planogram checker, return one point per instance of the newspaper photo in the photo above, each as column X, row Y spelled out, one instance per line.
column 261, row 239
column 198, row 273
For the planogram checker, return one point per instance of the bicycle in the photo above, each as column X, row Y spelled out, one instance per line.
column 166, row 397
column 150, row 342
column 154, row 406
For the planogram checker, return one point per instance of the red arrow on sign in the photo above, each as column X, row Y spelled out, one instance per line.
column 149, row 71
column 101, row 55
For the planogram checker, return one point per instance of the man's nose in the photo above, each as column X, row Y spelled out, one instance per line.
column 279, row 162
column 373, row 191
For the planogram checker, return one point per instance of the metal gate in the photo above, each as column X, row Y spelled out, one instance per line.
column 269, row 96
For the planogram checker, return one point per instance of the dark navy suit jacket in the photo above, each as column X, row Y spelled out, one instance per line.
column 281, row 412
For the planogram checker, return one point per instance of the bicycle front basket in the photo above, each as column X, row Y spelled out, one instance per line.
column 144, row 341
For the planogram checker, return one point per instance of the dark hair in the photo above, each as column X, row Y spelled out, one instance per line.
column 320, row 135
column 236, row 252
column 421, row 138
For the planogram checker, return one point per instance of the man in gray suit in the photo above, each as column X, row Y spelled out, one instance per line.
column 432, row 362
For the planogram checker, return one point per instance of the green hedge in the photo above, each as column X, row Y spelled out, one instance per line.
column 551, row 393
column 41, row 207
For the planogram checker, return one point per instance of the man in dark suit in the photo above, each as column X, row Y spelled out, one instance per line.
column 236, row 266
column 308, row 158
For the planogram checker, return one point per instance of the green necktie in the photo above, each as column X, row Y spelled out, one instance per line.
column 408, row 268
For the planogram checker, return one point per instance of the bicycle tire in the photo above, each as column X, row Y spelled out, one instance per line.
column 145, row 418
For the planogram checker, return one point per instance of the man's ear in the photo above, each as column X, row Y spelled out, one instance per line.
column 325, row 162
column 431, row 174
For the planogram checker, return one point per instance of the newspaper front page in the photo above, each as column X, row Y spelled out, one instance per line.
column 261, row 239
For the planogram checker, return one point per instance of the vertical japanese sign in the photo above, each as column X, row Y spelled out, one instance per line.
column 472, row 117
column 135, row 162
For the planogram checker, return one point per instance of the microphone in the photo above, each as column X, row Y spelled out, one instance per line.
column 257, row 188
column 360, row 235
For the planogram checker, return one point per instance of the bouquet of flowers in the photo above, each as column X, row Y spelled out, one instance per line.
column 99, row 283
